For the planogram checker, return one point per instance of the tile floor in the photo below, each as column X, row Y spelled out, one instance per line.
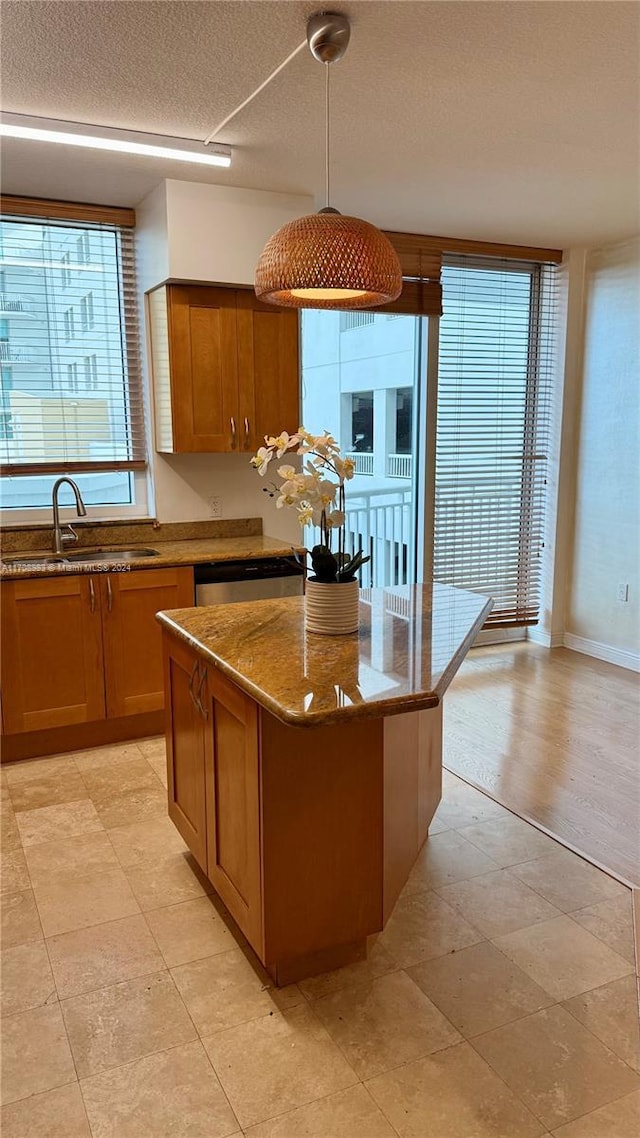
column 500, row 1001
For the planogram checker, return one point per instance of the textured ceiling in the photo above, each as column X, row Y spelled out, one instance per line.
column 510, row 121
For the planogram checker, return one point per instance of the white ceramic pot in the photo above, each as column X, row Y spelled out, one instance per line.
column 332, row 609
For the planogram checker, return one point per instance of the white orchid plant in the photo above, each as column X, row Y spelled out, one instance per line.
column 317, row 499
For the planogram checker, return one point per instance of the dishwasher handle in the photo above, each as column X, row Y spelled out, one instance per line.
column 251, row 569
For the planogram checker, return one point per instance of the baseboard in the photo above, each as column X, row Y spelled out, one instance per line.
column 80, row 736
column 547, row 639
column 606, row 652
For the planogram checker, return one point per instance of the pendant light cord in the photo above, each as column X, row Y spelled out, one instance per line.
column 326, row 100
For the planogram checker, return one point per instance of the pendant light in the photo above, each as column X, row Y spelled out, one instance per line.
column 328, row 260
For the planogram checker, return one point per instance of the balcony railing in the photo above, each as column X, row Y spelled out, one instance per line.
column 362, row 461
column 12, row 305
column 381, row 523
column 9, row 355
column 399, row 466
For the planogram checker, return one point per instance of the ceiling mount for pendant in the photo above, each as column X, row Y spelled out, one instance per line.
column 328, row 35
column 328, row 260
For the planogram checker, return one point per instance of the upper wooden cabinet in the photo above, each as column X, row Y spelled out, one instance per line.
column 226, row 368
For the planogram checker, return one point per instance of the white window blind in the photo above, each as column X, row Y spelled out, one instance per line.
column 68, row 308
column 493, row 423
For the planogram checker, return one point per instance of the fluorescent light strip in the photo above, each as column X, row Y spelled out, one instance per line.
column 217, row 156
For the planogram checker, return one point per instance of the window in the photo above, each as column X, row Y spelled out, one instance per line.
column 86, row 312
column 62, row 420
column 83, row 248
column 404, row 420
column 494, row 388
column 72, row 377
column 91, row 372
column 362, row 422
column 349, row 320
column 69, row 331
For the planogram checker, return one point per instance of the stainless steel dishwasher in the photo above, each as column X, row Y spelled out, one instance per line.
column 253, row 579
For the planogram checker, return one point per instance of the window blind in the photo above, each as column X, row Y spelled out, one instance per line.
column 421, row 261
column 493, row 427
column 69, row 346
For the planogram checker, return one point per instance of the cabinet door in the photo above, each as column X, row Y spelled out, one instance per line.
column 133, row 638
column 186, row 748
column 233, row 802
column 268, row 370
column 52, row 672
column 204, row 369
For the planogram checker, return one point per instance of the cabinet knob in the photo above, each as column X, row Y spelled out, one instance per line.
column 233, row 433
column 92, row 595
column 109, row 594
column 246, row 430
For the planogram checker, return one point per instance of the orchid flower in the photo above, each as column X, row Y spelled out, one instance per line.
column 316, row 492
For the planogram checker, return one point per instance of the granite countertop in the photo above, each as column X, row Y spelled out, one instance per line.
column 191, row 551
column 411, row 642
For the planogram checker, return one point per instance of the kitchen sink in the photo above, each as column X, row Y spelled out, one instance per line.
column 23, row 559
column 85, row 556
column 110, row 555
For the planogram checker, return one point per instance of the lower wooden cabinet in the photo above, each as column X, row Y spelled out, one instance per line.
column 232, row 787
column 186, row 747
column 134, row 680
column 214, row 780
column 82, row 648
column 52, row 674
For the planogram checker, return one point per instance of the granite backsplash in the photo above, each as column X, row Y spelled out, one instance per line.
column 20, row 539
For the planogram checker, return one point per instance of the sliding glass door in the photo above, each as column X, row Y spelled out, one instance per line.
column 492, row 437
column 361, row 381
column 456, row 493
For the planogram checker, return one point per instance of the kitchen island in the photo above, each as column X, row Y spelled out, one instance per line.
column 304, row 770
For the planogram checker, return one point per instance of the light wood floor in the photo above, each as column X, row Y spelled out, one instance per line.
column 555, row 736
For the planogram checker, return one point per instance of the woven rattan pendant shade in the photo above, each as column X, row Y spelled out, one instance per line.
column 327, row 260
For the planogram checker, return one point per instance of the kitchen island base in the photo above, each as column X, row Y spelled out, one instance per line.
column 307, row 834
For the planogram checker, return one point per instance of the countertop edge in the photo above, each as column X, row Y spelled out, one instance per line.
column 467, row 643
column 380, row 710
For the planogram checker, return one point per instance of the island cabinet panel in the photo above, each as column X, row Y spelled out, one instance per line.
column 412, row 791
column 225, row 368
column 51, row 653
column 322, row 825
column 134, row 676
column 186, row 750
column 233, row 802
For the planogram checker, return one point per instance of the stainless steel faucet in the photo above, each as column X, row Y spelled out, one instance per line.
column 65, row 535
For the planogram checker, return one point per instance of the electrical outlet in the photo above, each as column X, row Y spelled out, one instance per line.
column 622, row 593
column 215, row 507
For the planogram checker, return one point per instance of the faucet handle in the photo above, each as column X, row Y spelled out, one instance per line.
column 68, row 536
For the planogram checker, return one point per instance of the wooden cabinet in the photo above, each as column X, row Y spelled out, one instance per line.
column 214, row 780
column 232, row 783
column 51, row 653
column 186, row 748
column 82, row 648
column 225, row 368
column 133, row 672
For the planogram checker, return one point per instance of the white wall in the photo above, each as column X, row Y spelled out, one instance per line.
column 215, row 234
column 606, row 538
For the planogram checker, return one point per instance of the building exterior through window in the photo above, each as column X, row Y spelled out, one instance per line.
column 64, row 392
